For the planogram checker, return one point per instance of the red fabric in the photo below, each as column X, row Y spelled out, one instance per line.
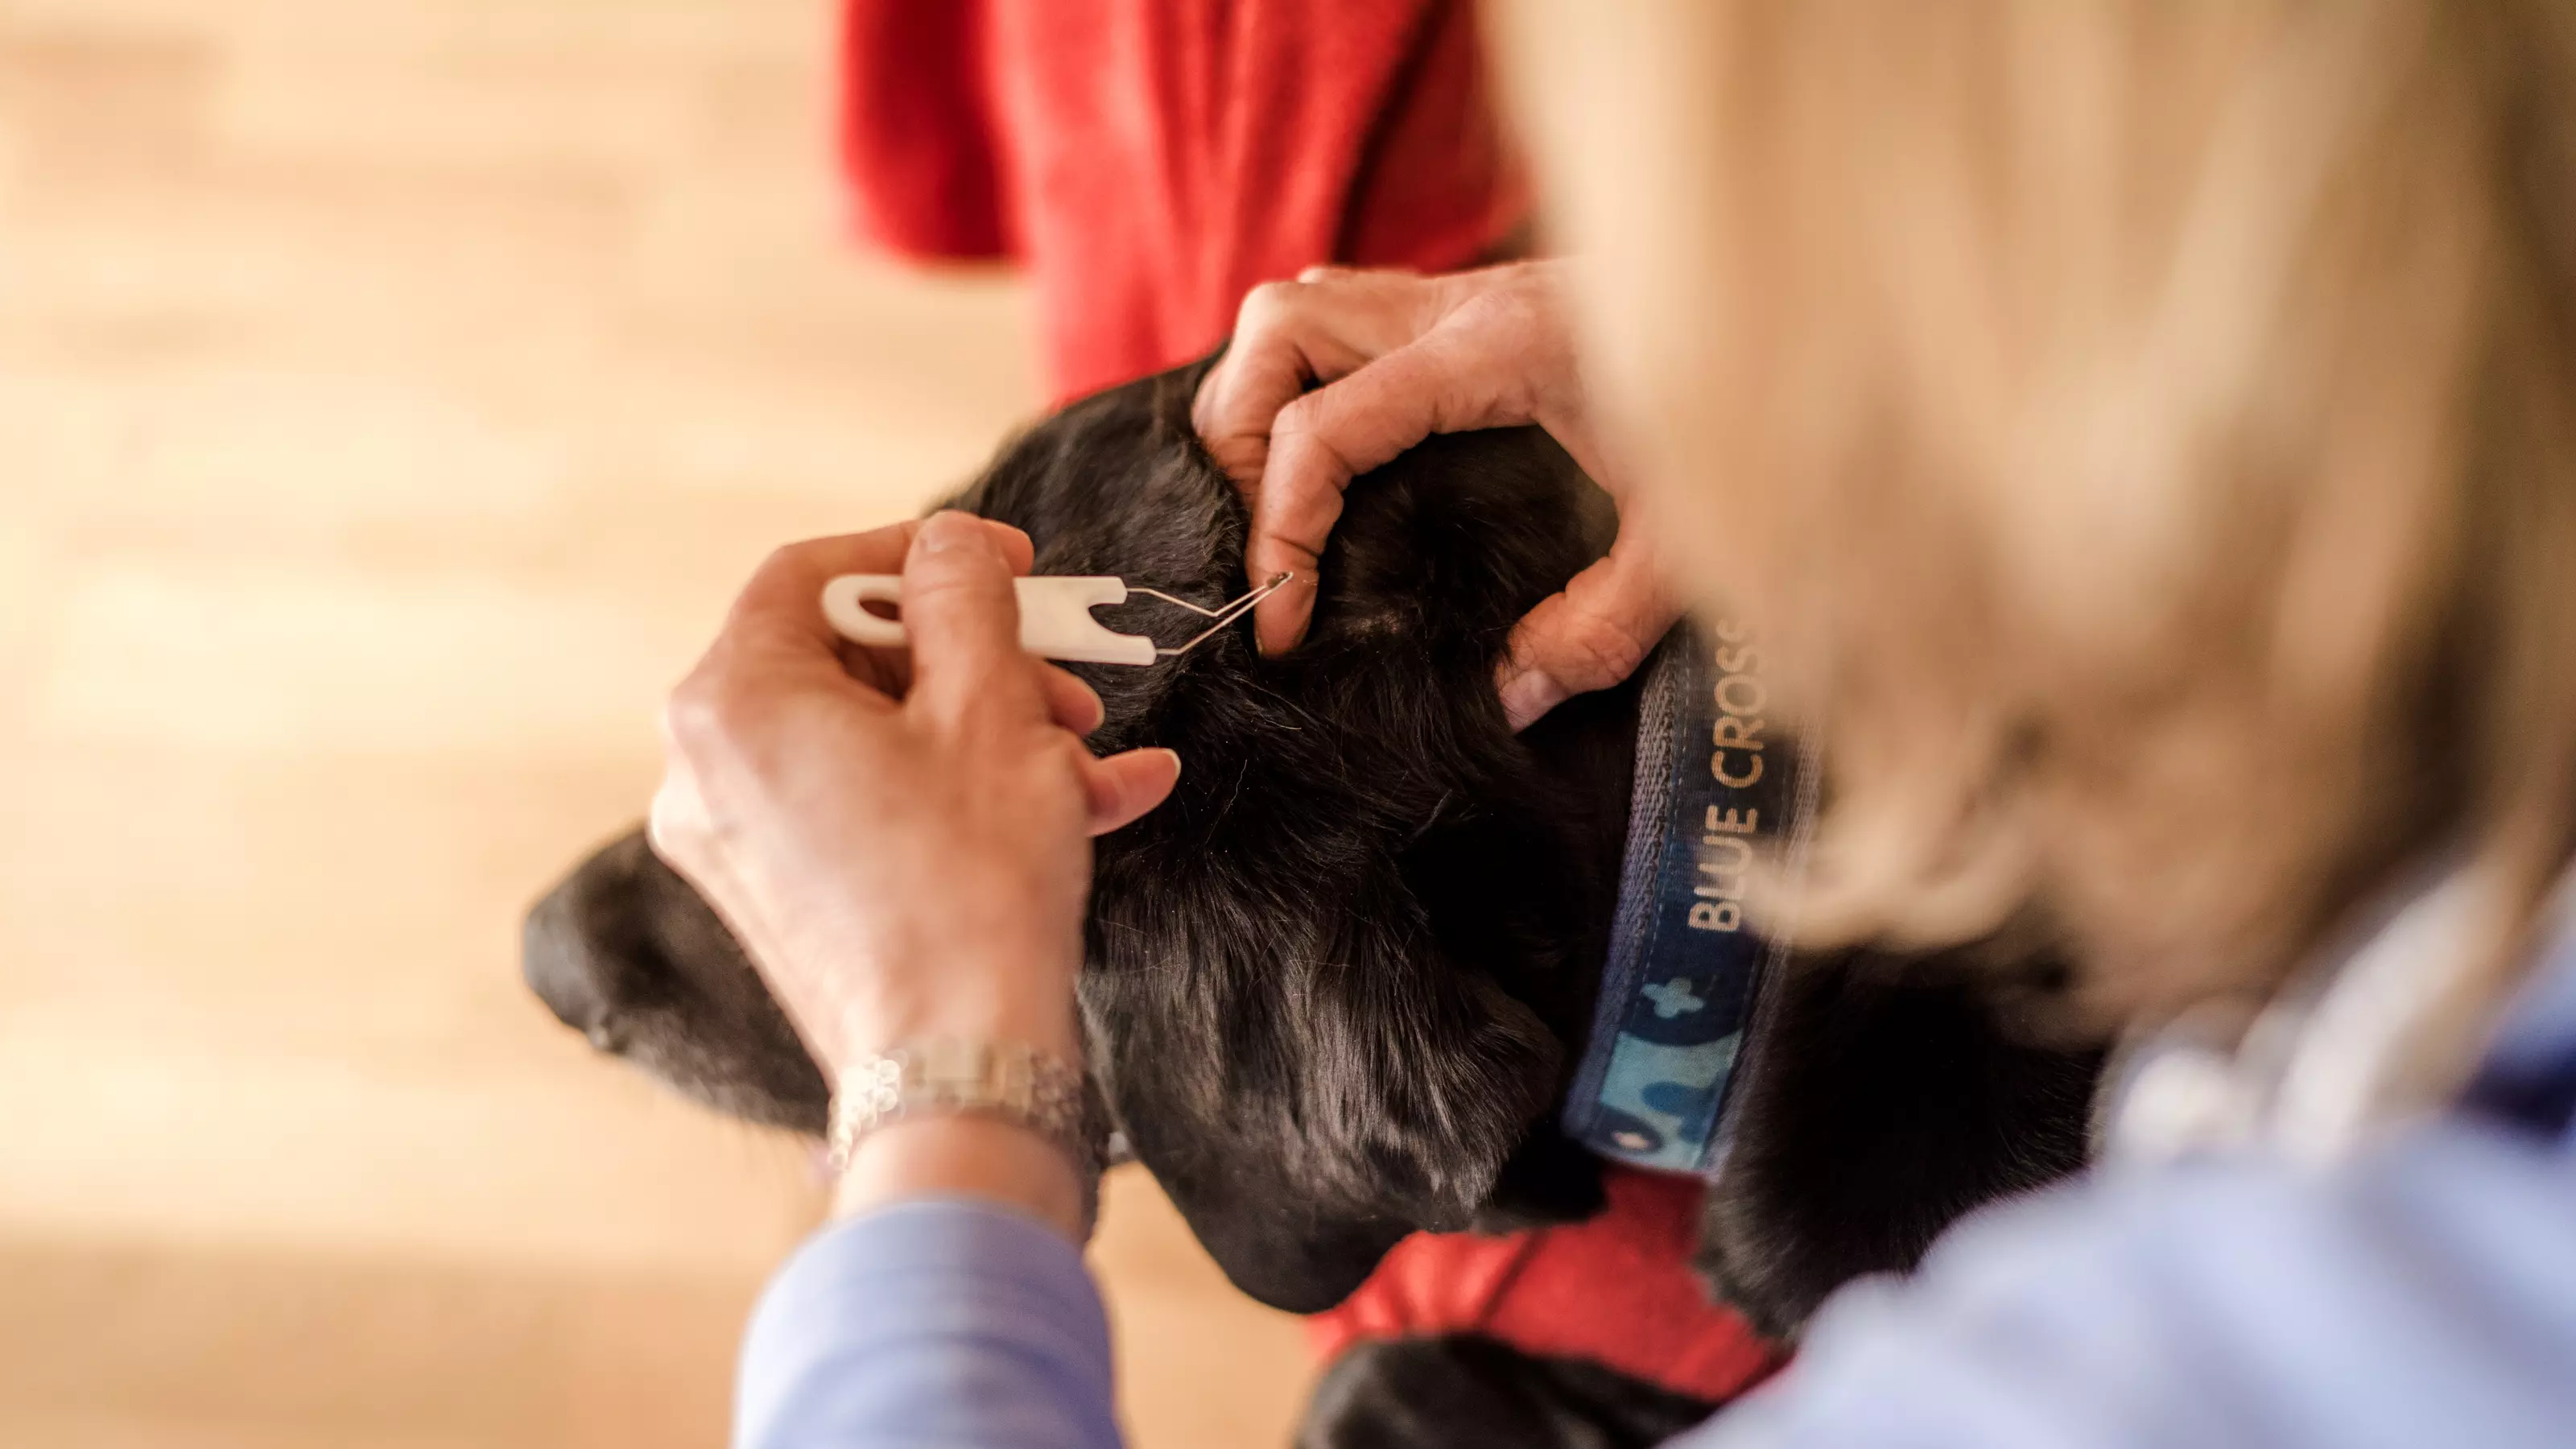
column 1616, row 1290
column 1150, row 161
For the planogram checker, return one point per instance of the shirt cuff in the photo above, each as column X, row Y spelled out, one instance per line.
column 935, row 1320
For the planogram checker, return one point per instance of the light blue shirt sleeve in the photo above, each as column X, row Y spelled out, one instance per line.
column 2422, row 1294
column 942, row 1322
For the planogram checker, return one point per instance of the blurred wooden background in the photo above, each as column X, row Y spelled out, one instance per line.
column 391, row 393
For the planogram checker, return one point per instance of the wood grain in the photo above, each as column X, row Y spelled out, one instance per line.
column 391, row 394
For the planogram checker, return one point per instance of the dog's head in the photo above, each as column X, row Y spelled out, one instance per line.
column 628, row 953
column 1336, row 983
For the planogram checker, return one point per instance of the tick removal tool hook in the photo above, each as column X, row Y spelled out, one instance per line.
column 1055, row 615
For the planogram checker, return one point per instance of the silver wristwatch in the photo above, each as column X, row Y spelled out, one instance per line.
column 1009, row 1081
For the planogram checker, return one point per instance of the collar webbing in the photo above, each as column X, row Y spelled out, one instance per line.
column 1713, row 788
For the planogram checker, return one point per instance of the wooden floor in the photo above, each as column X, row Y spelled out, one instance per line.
column 391, row 392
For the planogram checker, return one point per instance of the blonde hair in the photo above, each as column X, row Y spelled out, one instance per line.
column 2146, row 433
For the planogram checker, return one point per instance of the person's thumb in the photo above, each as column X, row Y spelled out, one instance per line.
column 963, row 618
column 1590, row 636
column 1125, row 786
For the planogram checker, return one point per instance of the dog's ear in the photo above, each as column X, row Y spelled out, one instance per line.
column 1307, row 1099
column 626, row 951
column 1888, row 1096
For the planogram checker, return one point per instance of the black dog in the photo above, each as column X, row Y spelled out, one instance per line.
column 1336, row 987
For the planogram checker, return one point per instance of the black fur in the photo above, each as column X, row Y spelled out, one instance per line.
column 1886, row 1097
column 1465, row 1389
column 1334, row 989
column 631, row 955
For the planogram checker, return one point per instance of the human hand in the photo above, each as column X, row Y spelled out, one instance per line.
column 897, row 839
column 1402, row 357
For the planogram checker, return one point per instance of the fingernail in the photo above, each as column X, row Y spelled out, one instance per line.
column 1176, row 762
column 1525, row 697
column 949, row 531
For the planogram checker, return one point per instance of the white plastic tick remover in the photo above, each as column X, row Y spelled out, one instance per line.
column 1055, row 615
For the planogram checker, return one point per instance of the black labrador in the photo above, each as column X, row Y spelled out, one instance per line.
column 1335, row 988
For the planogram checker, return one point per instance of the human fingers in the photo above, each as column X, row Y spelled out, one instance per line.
column 781, row 606
column 1126, row 786
column 1290, row 334
column 1019, row 554
column 782, row 602
column 1321, row 441
column 963, row 620
column 676, row 825
column 1070, row 702
column 1591, row 635
column 682, row 829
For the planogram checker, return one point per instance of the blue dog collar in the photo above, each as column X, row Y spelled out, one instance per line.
column 1713, row 789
